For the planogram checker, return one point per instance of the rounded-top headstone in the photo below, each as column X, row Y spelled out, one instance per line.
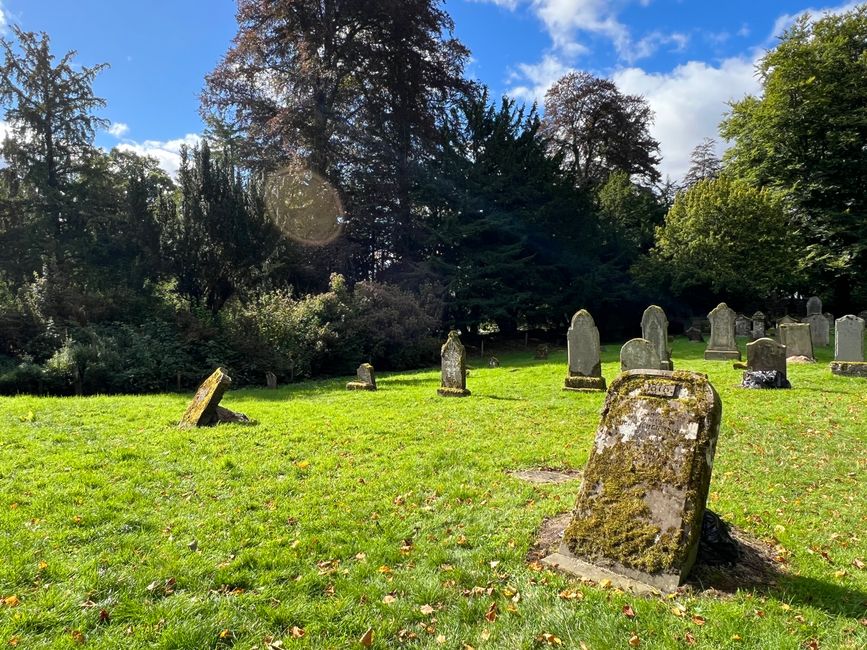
column 722, row 345
column 583, row 344
column 814, row 305
column 654, row 328
column 639, row 354
column 849, row 339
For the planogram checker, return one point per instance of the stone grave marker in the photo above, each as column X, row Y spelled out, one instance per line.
column 743, row 325
column 814, row 305
column 654, row 328
column 585, row 365
column 849, row 339
column 819, row 330
column 638, row 517
column 797, row 339
column 271, row 380
column 205, row 409
column 454, row 368
column 493, row 362
column 758, row 328
column 365, row 378
column 693, row 333
column 766, row 365
column 722, row 345
column 639, row 354
column 541, row 351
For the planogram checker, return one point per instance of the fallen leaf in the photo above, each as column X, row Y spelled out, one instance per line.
column 43, row 565
column 303, row 464
column 634, row 641
column 628, row 612
column 441, row 639
column 605, row 584
column 366, row 639
column 226, row 634
column 491, row 614
column 297, row 632
column 13, row 642
column 486, row 634
column 571, row 594
column 360, row 556
column 550, row 639
column 812, row 644
column 384, row 569
column 509, row 591
column 388, row 599
column 104, row 616
column 736, row 637
column 427, row 610
column 698, row 620
column 272, row 644
column 78, row 636
column 689, row 638
column 11, row 601
column 840, row 574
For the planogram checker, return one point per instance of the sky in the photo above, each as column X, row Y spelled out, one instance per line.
column 688, row 58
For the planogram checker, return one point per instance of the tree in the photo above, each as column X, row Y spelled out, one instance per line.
column 805, row 135
column 704, row 163
column 729, row 238
column 598, row 130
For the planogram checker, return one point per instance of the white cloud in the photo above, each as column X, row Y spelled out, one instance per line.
column 118, row 129
column 787, row 20
column 4, row 19
column 167, row 153
column 536, row 78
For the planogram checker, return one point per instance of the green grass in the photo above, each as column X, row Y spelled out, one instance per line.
column 337, row 499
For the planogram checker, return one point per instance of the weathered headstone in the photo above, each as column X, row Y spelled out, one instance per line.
column 639, row 354
column 641, row 503
column 493, row 362
column 814, row 305
column 454, row 368
column 585, row 365
column 205, row 409
column 694, row 333
column 797, row 339
column 722, row 345
column 849, row 368
column 743, row 325
column 654, row 328
column 819, row 330
column 766, row 365
column 758, row 326
column 271, row 380
column 863, row 315
column 541, row 351
column 365, row 378
column 849, row 339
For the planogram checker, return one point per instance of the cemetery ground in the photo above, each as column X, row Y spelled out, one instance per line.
column 341, row 512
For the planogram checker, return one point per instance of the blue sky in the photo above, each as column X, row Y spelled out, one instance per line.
column 687, row 57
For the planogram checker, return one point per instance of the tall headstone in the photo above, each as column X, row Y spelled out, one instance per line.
column 365, row 378
column 766, row 365
column 758, row 327
column 722, row 345
column 814, row 305
column 819, row 330
column 271, row 380
column 654, row 328
column 849, row 339
column 641, row 503
column 205, row 409
column 639, row 354
column 454, row 368
column 743, row 325
column 585, row 365
column 796, row 337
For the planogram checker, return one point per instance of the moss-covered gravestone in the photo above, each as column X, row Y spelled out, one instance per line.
column 639, row 354
column 637, row 520
column 654, row 328
column 454, row 368
column 722, row 345
column 366, row 378
column 585, row 365
column 205, row 409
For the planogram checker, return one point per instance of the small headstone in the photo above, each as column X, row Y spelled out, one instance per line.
column 541, row 351
column 454, row 368
column 654, row 328
column 585, row 365
column 271, row 380
column 766, row 365
column 641, row 503
column 819, row 330
column 205, row 409
column 743, row 325
column 722, row 345
column 814, row 305
column 758, row 326
column 694, row 334
column 849, row 339
column 493, row 362
column 797, row 339
column 639, row 354
column 365, row 378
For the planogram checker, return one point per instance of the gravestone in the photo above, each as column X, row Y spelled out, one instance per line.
column 493, row 362
column 814, row 305
column 541, row 351
column 849, row 339
column 271, row 380
column 365, row 378
column 722, row 345
column 863, row 315
column 639, row 354
column 849, row 368
column 766, row 365
column 830, row 318
column 743, row 325
column 654, row 328
column 787, row 320
column 797, row 339
column 640, row 507
column 694, row 334
column 205, row 409
column 819, row 330
column 758, row 327
column 454, row 368
column 585, row 366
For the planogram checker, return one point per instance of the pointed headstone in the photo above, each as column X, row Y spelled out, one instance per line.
column 639, row 354
column 585, row 365
column 722, row 345
column 454, row 368
column 654, row 328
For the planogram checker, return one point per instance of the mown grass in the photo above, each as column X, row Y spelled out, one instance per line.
column 336, row 500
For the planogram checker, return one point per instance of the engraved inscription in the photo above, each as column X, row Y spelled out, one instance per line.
column 659, row 389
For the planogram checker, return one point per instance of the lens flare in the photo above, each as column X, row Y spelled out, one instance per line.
column 304, row 205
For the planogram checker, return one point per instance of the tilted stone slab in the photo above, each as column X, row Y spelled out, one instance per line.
column 722, row 345
column 849, row 339
column 642, row 498
column 202, row 411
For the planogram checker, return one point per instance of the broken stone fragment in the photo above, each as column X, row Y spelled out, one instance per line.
column 205, row 410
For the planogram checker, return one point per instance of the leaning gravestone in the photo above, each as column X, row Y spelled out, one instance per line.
column 654, row 328
column 766, row 365
column 585, row 366
column 814, row 306
column 205, row 409
column 849, row 339
column 454, row 368
column 819, row 330
column 722, row 345
column 743, row 325
column 365, row 378
column 641, row 503
column 639, row 354
column 797, row 339
column 758, row 327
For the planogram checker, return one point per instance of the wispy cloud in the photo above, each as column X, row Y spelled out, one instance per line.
column 166, row 152
column 118, row 129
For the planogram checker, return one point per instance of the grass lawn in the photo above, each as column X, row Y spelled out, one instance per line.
column 343, row 511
